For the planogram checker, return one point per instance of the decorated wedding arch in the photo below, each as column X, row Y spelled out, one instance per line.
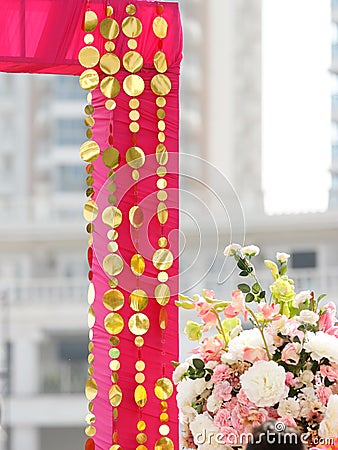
column 127, row 56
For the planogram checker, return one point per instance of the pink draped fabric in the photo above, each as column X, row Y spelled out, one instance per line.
column 45, row 36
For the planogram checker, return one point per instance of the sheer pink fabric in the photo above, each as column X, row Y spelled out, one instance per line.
column 45, row 36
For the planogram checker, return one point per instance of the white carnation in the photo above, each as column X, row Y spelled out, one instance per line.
column 301, row 298
column 213, row 403
column 250, row 250
column 282, row 257
column 179, row 372
column 307, row 316
column 232, row 249
column 329, row 425
column 187, row 391
column 248, row 338
column 321, row 345
column 289, row 407
column 205, row 433
column 264, row 383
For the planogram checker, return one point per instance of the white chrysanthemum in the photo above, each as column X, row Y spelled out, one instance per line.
column 307, row 316
column 179, row 372
column 213, row 404
column 264, row 383
column 250, row 250
column 329, row 425
column 232, row 249
column 321, row 345
column 289, row 407
column 301, row 298
column 248, row 338
column 282, row 257
column 205, row 433
column 187, row 391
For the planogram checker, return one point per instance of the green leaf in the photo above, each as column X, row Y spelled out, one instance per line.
column 183, row 297
column 243, row 273
column 250, row 269
column 244, row 287
column 198, row 363
column 261, row 294
column 249, row 297
column 184, row 305
column 256, row 288
column 320, row 298
column 175, row 363
column 242, row 264
column 208, row 377
column 283, row 269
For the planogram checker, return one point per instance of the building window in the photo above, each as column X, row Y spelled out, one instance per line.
column 69, row 178
column 69, row 132
column 67, row 87
column 302, row 260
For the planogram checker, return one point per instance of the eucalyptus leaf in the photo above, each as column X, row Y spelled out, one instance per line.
column 256, row 288
column 198, row 363
column 244, row 287
column 249, row 297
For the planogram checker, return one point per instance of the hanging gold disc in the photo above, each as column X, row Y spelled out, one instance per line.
column 109, row 28
column 133, row 85
column 110, row 63
column 160, row 84
column 133, row 61
column 89, row 80
column 110, row 87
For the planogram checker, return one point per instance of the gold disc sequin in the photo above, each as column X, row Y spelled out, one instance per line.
column 113, row 264
column 135, row 157
column 139, row 341
column 89, row 56
column 133, row 85
column 162, row 213
column 162, row 294
column 90, row 211
column 136, row 216
column 164, row 430
column 140, row 396
column 162, row 277
column 134, row 103
column 113, row 299
column 164, row 443
column 141, row 425
column 112, row 216
column 114, row 323
column 131, row 9
column 91, row 317
column 137, row 264
column 138, row 324
column 109, row 46
column 89, row 151
column 162, row 242
column 91, row 293
column 90, row 431
column 91, row 389
column 110, row 87
column 138, row 300
column 109, row 28
column 133, row 61
column 110, row 63
column 163, row 388
column 160, row 84
column 160, row 27
column 110, row 105
column 111, row 157
column 160, row 62
column 163, row 259
column 132, row 27
column 89, row 80
column 161, row 154
column 162, row 196
column 90, row 21
column 115, row 395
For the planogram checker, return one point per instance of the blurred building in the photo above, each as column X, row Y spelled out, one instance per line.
column 333, row 202
column 43, row 321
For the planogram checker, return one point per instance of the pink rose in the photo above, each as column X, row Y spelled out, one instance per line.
column 290, row 379
column 330, row 372
column 221, row 373
column 237, row 306
column 254, row 354
column 328, row 319
column 269, row 311
column 223, row 418
column 210, row 349
column 333, row 331
column 324, row 394
column 290, row 353
column 222, row 391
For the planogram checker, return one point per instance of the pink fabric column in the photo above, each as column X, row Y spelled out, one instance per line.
column 45, row 36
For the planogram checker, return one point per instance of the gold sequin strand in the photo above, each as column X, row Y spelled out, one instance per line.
column 89, row 152
column 113, row 298
column 162, row 258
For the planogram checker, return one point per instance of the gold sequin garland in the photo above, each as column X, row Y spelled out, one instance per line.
column 133, row 86
column 162, row 258
column 89, row 152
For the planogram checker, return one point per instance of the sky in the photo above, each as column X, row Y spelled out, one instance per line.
column 296, row 105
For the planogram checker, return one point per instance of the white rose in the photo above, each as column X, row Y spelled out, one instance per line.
column 213, row 404
column 329, row 425
column 205, row 433
column 250, row 250
column 301, row 297
column 307, row 316
column 187, row 391
column 264, row 383
column 289, row 407
column 247, row 338
column 282, row 257
column 232, row 249
column 321, row 345
column 179, row 372
column 306, row 377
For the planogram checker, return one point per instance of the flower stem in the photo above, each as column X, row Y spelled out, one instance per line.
column 261, row 329
column 220, row 325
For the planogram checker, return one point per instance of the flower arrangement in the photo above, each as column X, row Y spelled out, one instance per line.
column 283, row 366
